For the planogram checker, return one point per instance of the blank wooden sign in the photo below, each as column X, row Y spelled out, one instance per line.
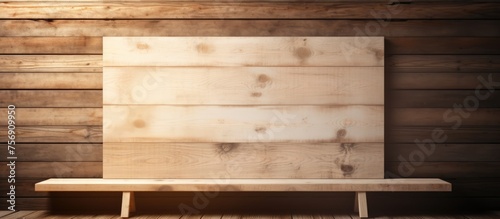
column 243, row 107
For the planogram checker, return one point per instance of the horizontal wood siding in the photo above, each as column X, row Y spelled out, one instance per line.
column 437, row 53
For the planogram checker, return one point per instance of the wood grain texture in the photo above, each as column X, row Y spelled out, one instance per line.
column 445, row 152
column 472, row 135
column 54, row 116
column 50, row 63
column 441, row 81
column 79, row 184
column 247, row 51
column 51, row 81
column 244, row 85
column 443, row 117
column 248, row 10
column 443, row 63
column 51, row 45
column 51, row 98
column 243, row 124
column 443, row 45
column 57, row 152
column 444, row 169
column 438, row 28
column 445, row 99
column 52, row 134
column 232, row 160
column 55, row 169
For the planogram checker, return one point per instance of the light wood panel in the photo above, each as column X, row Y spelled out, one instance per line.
column 243, row 124
column 232, row 160
column 248, row 10
column 247, row 51
column 244, row 85
column 51, row 81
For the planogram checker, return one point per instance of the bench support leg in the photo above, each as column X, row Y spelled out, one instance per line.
column 360, row 204
column 128, row 204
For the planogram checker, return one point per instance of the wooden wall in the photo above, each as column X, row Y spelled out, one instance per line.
column 439, row 56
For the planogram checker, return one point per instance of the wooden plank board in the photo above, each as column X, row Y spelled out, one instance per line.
column 78, row 184
column 472, row 135
column 51, row 81
column 57, row 152
column 232, row 160
column 442, row 117
column 51, row 98
column 246, row 51
column 443, row 63
column 244, row 85
column 243, row 124
column 247, row 10
column 51, row 134
column 444, row 169
column 54, row 116
column 443, row 98
column 440, row 81
column 50, row 63
column 436, row 28
column 51, row 45
column 445, row 152
column 55, row 169
column 443, row 45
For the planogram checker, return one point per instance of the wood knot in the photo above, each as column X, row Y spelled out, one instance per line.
column 139, row 123
column 341, row 133
column 302, row 53
column 204, row 48
column 346, row 146
column 263, row 80
column 227, row 147
column 256, row 94
column 346, row 168
column 260, row 130
column 142, row 46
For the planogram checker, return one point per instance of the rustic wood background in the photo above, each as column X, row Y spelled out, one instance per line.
column 435, row 52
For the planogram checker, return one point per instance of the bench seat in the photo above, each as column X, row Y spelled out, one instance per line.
column 129, row 186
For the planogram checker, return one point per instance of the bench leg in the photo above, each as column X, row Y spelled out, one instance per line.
column 128, row 204
column 360, row 204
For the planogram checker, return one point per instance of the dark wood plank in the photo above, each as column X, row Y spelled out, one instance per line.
column 26, row 170
column 51, row 98
column 438, row 28
column 442, row 63
column 442, row 46
column 249, row 10
column 57, row 152
column 59, row 134
column 51, row 63
column 449, row 135
column 51, row 45
column 444, row 99
column 440, row 81
column 54, row 116
column 418, row 169
column 444, row 152
column 443, row 117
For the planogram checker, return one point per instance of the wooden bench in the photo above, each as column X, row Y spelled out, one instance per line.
column 265, row 113
column 129, row 186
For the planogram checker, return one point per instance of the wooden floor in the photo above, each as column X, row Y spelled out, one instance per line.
column 47, row 215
